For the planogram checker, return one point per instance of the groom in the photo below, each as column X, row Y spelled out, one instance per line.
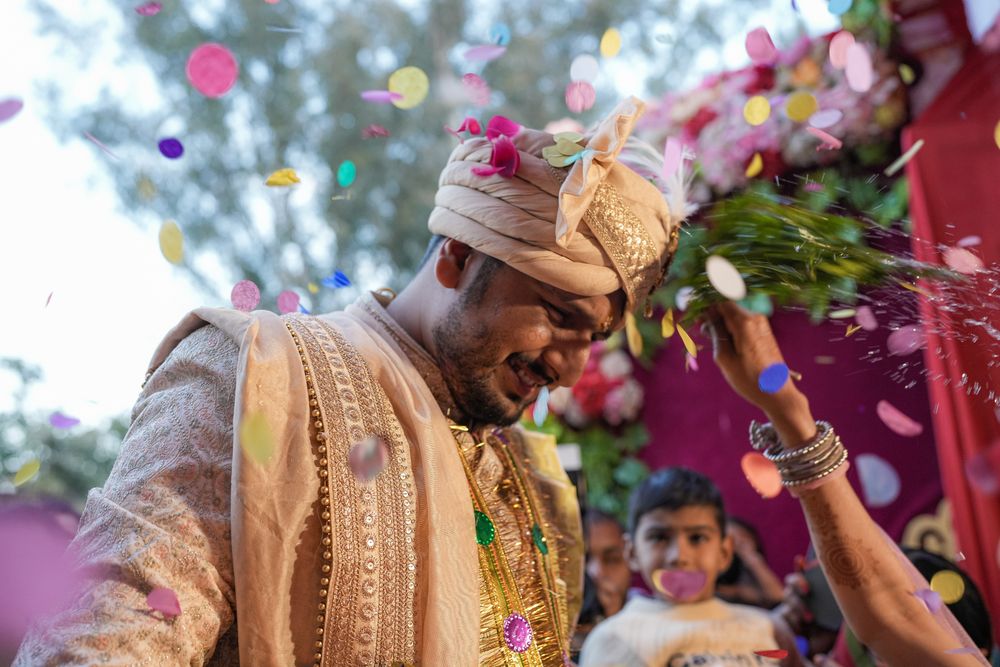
column 349, row 488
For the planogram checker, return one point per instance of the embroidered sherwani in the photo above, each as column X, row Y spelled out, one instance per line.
column 464, row 549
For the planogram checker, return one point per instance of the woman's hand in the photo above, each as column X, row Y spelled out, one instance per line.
column 743, row 346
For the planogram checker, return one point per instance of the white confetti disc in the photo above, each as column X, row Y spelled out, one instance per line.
column 584, row 68
column 724, row 277
column 880, row 483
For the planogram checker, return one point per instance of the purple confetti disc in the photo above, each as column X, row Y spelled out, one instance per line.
column 171, row 148
column 773, row 378
column 517, row 633
column 930, row 598
column 10, row 108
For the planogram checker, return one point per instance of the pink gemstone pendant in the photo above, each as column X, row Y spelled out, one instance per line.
column 517, row 633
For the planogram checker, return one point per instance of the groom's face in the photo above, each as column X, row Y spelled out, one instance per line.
column 507, row 335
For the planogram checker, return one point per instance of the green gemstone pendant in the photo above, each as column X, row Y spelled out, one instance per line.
column 536, row 535
column 485, row 532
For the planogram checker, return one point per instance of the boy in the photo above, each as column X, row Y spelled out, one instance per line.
column 677, row 542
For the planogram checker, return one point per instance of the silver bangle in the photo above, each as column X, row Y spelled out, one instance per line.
column 804, row 464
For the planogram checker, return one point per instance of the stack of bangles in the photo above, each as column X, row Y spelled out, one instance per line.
column 816, row 462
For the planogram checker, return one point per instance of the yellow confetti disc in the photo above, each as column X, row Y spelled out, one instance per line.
column 26, row 472
column 411, row 83
column 313, row 288
column 282, row 178
column 800, row 106
column 949, row 585
column 906, row 74
column 756, row 165
column 667, row 327
column 172, row 242
column 611, row 43
column 256, row 437
column 996, row 134
column 757, row 110
column 632, row 335
column 146, row 187
column 689, row 345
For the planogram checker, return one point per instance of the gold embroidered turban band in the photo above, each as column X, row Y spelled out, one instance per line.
column 590, row 228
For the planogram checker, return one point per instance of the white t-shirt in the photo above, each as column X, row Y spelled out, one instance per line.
column 649, row 632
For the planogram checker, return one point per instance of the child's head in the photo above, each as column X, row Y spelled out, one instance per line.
column 677, row 522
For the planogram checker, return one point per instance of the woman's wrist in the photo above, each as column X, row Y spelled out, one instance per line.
column 793, row 420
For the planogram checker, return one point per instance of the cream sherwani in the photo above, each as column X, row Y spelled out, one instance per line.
column 291, row 559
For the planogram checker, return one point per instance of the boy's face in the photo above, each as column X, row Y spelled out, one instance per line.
column 686, row 539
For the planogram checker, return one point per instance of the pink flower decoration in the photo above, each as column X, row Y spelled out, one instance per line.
column 504, row 161
column 470, row 125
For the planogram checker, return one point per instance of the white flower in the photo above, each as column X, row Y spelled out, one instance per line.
column 615, row 365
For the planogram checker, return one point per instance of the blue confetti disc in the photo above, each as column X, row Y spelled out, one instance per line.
column 500, row 34
column 838, row 7
column 337, row 279
column 773, row 378
column 541, row 410
column 802, row 644
column 171, row 148
column 346, row 173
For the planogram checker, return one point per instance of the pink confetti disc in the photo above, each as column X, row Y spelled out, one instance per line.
column 380, row 96
column 477, row 89
column 838, row 48
column 898, row 422
column 10, row 108
column 679, row 584
column 826, row 118
column 860, row 75
column 212, row 70
column 762, row 474
column 983, row 470
column 905, row 340
column 288, row 302
column 164, row 601
column 580, row 96
column 760, row 47
column 245, row 296
column 962, row 260
column 149, row 9
column 866, row 318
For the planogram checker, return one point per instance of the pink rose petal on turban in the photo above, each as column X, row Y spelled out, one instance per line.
column 501, row 126
column 898, row 422
column 504, row 161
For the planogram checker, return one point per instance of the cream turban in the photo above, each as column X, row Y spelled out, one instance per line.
column 591, row 229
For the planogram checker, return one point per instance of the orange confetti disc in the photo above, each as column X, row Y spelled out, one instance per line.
column 762, row 474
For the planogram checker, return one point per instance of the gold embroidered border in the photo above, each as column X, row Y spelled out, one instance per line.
column 371, row 524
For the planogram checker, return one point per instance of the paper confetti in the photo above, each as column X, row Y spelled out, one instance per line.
column 826, row 118
column 996, row 134
column 689, row 345
column 500, row 34
column 838, row 48
column 949, row 585
column 27, row 472
column 851, row 330
column 969, row 241
column 690, row 363
column 611, row 43
column 838, row 7
column 171, row 148
column 164, row 601
column 775, row 654
column 983, row 470
column 9, row 108
column 667, row 327
column 801, row 106
column 763, row 475
column 930, row 598
column 346, row 173
column 172, row 242
column 212, row 70
column 59, row 420
column 898, row 422
column 245, row 295
column 757, row 110
column 760, row 47
column 368, row 458
column 584, row 68
column 679, row 585
column 336, row 280
column 866, row 318
column 907, row 74
column 904, row 158
column 282, row 178
column 485, row 53
column 412, row 83
column 374, row 131
column 477, row 89
column 149, row 9
column 860, row 75
column 829, row 142
column 880, row 484
column 288, row 302
column 905, row 340
column 683, row 297
column 841, row 314
column 541, row 410
column 724, row 277
column 580, row 96
column 256, row 438
column 632, row 335
column 756, row 165
column 962, row 260
column 773, row 378
column 381, row 96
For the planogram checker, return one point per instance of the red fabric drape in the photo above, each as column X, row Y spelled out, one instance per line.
column 954, row 193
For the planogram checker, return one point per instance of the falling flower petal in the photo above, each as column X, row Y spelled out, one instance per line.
column 501, row 126
column 762, row 474
column 756, row 165
column 757, row 110
column 368, row 458
column 906, row 340
column 245, row 295
column 773, row 378
column 27, row 471
column 282, row 178
column 679, row 585
column 381, row 96
column 580, row 96
column 904, row 158
column 504, row 161
column 584, row 68
column 830, row 142
column 949, row 585
column 288, row 302
column 930, row 598
column 632, row 335
column 149, row 9
column 256, row 437
column 724, row 277
column 667, row 327
column 774, row 654
column 760, row 47
column 59, row 420
column 689, row 345
column 826, row 118
column 374, row 131
column 164, row 601
column 9, row 108
column 611, row 43
column 541, row 410
column 412, row 83
column 879, row 480
column 172, row 242
column 485, row 53
column 212, row 70
column 477, row 89
column 859, row 68
column 898, row 422
column 962, row 260
column 866, row 318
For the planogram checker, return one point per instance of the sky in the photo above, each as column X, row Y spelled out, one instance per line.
column 87, row 292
